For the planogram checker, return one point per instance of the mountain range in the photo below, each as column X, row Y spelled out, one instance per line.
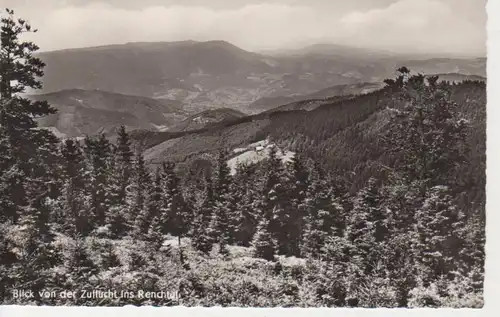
column 342, row 133
column 179, row 86
column 82, row 112
column 217, row 74
column 206, row 118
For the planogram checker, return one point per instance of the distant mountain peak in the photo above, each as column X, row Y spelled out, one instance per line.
column 150, row 45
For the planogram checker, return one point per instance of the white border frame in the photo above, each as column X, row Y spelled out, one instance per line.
column 492, row 233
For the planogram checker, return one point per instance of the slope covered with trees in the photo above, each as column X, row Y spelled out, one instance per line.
column 81, row 112
column 407, row 232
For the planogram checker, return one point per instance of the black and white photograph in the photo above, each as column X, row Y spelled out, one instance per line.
column 243, row 153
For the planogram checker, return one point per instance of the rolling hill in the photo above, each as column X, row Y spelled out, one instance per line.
column 294, row 102
column 332, row 50
column 342, row 134
column 447, row 65
column 205, row 119
column 337, row 92
column 217, row 74
column 83, row 112
column 457, row 77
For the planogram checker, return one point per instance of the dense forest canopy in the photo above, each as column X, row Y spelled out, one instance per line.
column 382, row 204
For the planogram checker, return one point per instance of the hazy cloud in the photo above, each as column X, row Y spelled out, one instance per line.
column 419, row 26
column 409, row 25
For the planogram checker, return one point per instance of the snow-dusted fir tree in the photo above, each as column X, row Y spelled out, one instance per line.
column 109, row 257
column 73, row 164
column 275, row 200
column 12, row 193
column 24, row 167
column 98, row 151
column 79, row 268
column 428, row 138
column 438, row 222
column 28, row 155
column 117, row 209
column 222, row 176
column 263, row 245
column 299, row 176
column 123, row 163
column 321, row 212
column 244, row 194
column 220, row 226
column 365, row 224
column 137, row 215
column 119, row 179
column 429, row 132
column 201, row 236
column 154, row 204
column 333, row 274
column 76, row 217
column 175, row 210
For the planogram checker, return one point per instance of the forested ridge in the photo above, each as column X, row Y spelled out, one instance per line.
column 397, row 221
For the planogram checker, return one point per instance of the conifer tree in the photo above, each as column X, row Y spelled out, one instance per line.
column 152, row 223
column 117, row 222
column 175, row 209
column 299, row 176
column 115, row 200
column 124, row 157
column 88, row 149
column 113, row 185
column 401, row 261
column 220, row 226
column 366, row 224
column 80, row 268
column 73, row 165
column 437, row 224
column 77, row 219
column 275, row 201
column 321, row 213
column 201, row 235
column 155, row 235
column 100, row 152
column 20, row 70
column 109, row 258
column 334, row 274
column 429, row 132
column 248, row 219
column 23, row 157
column 137, row 197
column 36, row 220
column 315, row 235
column 471, row 231
column 428, row 136
column 12, row 193
column 222, row 177
column 243, row 219
column 119, row 179
column 37, row 255
column 46, row 176
column 273, row 170
column 7, row 260
column 263, row 245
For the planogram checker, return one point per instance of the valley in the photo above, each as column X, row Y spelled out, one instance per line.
column 321, row 175
column 182, row 79
column 313, row 101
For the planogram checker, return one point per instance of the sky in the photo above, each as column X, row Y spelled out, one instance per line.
column 409, row 26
